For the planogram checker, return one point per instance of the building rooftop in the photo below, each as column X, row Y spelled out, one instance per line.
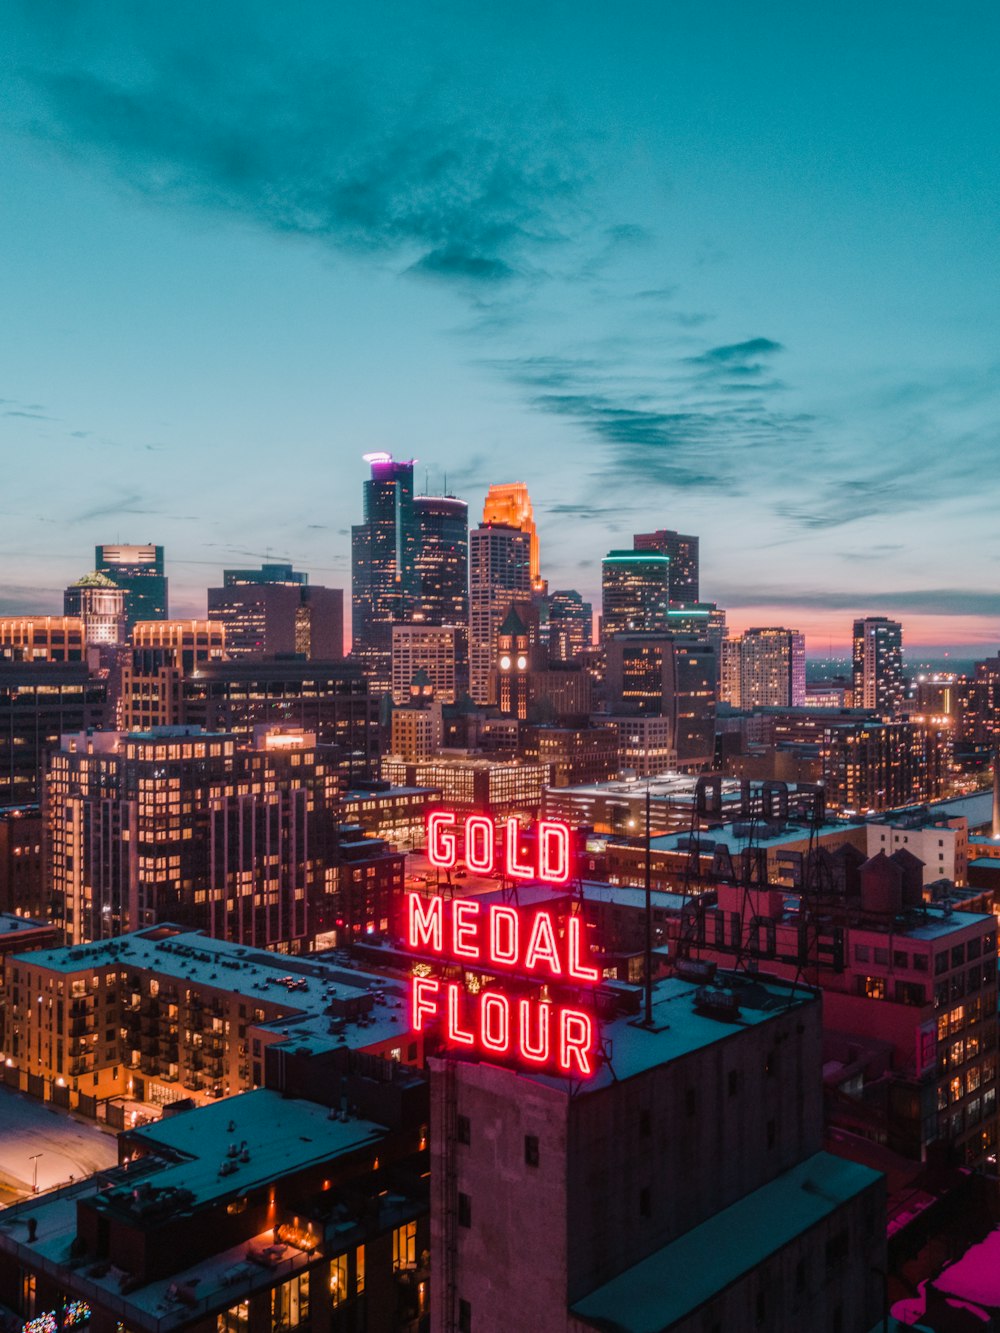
column 155, row 1187
column 316, row 995
column 683, row 1022
column 11, row 925
column 197, row 1143
column 676, row 1280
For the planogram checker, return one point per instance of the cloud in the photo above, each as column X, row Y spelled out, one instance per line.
column 297, row 140
column 927, row 601
column 738, row 354
column 588, row 511
column 30, row 416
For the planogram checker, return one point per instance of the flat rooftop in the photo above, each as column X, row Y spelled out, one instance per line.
column 305, row 988
column 10, row 924
column 199, row 1140
column 677, row 1280
column 681, row 1025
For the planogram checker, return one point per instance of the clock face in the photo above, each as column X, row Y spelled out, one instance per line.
column 505, row 663
column 522, row 662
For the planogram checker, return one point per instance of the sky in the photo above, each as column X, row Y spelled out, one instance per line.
column 723, row 268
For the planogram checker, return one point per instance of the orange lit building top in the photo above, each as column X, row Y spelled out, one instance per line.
column 510, row 504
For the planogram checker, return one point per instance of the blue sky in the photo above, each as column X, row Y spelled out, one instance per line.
column 724, row 268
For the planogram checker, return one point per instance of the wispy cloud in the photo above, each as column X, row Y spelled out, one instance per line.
column 302, row 144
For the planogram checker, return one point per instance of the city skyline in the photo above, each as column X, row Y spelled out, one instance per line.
column 753, row 306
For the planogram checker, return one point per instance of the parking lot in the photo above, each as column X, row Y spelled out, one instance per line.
column 43, row 1143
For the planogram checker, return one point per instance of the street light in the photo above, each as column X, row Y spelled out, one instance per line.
column 33, row 1159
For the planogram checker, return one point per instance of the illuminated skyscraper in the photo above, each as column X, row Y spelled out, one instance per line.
column 878, row 664
column 441, row 592
column 570, row 625
column 772, row 669
column 275, row 611
column 138, row 571
column 510, row 505
column 683, row 552
column 383, row 566
column 635, row 592
column 100, row 604
column 499, row 574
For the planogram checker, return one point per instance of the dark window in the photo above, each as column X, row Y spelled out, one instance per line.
column 463, row 1129
column 464, row 1317
column 836, row 1250
column 761, row 1312
column 772, row 1133
column 734, row 1082
column 531, row 1149
column 958, row 955
column 690, row 1102
column 464, row 1210
column 800, row 1275
column 941, row 962
column 645, row 1124
column 645, row 1203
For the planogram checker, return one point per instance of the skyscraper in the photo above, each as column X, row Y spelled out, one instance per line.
column 499, row 574
column 275, row 611
column 138, row 571
column 878, row 664
column 570, row 625
column 635, row 588
column 441, row 591
column 772, row 668
column 383, row 566
column 100, row 605
column 510, row 505
column 683, row 552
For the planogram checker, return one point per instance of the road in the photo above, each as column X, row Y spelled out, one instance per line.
column 67, row 1146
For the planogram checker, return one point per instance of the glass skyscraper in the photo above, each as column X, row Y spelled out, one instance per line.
column 138, row 571
column 383, row 566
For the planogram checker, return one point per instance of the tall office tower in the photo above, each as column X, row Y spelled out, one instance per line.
column 878, row 665
column 383, row 566
column 730, row 659
column 683, row 552
column 441, row 586
column 181, row 825
column 772, row 669
column 673, row 676
column 570, row 625
column 275, row 611
column 635, row 592
column 138, row 571
column 705, row 620
column 429, row 649
column 509, row 505
column 499, row 574
column 100, row 604
column 275, row 573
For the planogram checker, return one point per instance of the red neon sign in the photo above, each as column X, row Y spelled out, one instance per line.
column 502, row 1026
column 500, row 938
column 551, row 862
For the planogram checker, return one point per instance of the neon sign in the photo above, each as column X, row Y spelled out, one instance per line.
column 551, row 862
column 537, row 947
